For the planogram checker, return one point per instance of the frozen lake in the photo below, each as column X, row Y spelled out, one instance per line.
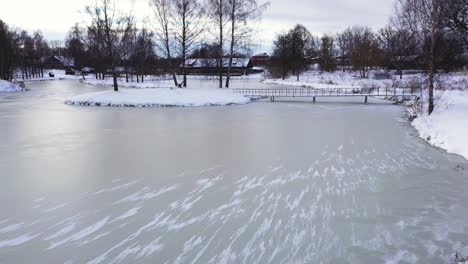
column 334, row 182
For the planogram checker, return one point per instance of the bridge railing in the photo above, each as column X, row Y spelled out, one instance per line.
column 333, row 92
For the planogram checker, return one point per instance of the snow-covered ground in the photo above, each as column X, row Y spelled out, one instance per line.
column 160, row 98
column 447, row 126
column 58, row 75
column 160, row 81
column 8, row 87
column 339, row 79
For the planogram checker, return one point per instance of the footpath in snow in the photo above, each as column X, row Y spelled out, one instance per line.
column 8, row 87
column 447, row 126
column 163, row 97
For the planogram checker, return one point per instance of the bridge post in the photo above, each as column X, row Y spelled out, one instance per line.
column 365, row 99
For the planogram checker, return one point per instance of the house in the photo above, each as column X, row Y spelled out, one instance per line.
column 199, row 66
column 57, row 62
column 260, row 59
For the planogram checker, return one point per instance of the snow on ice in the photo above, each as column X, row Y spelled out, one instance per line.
column 160, row 98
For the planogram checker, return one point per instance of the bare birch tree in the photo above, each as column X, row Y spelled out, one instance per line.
column 189, row 25
column 218, row 13
column 423, row 18
column 240, row 13
column 164, row 14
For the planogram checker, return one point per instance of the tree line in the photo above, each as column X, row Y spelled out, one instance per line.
column 431, row 35
column 112, row 41
column 173, row 34
column 21, row 53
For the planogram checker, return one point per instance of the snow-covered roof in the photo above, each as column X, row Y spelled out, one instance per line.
column 207, row 63
column 70, row 62
column 261, row 55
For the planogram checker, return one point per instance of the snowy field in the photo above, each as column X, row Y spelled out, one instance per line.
column 447, row 127
column 160, row 98
column 8, row 87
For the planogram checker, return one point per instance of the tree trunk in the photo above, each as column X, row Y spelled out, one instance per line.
column 432, row 67
column 184, row 47
column 431, row 78
column 221, row 28
column 126, row 73
column 231, row 51
column 116, row 85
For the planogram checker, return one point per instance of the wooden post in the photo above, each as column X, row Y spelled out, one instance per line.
column 365, row 99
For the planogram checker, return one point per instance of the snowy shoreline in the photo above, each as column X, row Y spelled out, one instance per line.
column 8, row 87
column 159, row 98
column 447, row 126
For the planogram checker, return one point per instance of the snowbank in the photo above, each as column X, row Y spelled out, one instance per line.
column 160, row 97
column 8, row 87
column 447, row 127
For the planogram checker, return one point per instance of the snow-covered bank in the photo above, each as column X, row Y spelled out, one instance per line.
column 58, row 75
column 378, row 79
column 160, row 98
column 166, row 81
column 8, row 87
column 447, row 127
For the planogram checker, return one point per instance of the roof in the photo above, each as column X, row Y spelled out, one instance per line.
column 70, row 62
column 207, row 63
column 261, row 55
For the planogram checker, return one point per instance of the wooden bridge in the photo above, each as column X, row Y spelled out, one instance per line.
column 331, row 92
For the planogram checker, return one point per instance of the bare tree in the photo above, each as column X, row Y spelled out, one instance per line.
column 7, row 52
column 363, row 49
column 423, row 18
column 327, row 54
column 127, row 45
column 300, row 42
column 218, row 12
column 344, row 43
column 164, row 13
column 240, row 13
column 455, row 17
column 110, row 25
column 75, row 46
column 188, row 17
column 279, row 64
column 143, row 53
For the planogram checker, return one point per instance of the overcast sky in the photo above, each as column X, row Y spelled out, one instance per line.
column 55, row 17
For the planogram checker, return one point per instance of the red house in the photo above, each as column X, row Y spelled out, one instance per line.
column 260, row 59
